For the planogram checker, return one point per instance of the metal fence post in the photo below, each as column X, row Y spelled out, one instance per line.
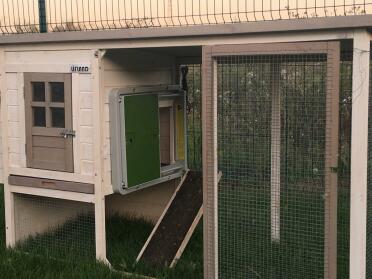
column 42, row 17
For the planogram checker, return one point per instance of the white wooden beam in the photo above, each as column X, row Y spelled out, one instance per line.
column 8, row 195
column 275, row 151
column 57, row 194
column 359, row 151
column 192, row 41
column 100, row 215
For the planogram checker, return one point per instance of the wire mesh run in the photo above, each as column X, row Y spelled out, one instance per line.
column 30, row 16
column 343, row 210
column 194, row 132
column 369, row 184
column 54, row 228
column 271, row 151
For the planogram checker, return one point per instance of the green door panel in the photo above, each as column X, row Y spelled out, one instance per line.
column 142, row 138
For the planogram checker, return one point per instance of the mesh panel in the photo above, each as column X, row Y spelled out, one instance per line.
column 369, row 197
column 194, row 143
column 53, row 227
column 343, row 210
column 271, row 211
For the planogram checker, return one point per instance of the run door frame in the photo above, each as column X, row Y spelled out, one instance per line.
column 209, row 130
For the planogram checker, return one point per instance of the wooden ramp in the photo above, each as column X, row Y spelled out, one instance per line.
column 177, row 223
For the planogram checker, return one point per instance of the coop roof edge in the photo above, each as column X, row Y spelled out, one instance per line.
column 275, row 26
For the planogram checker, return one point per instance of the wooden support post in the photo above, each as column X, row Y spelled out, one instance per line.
column 210, row 176
column 8, row 195
column 275, row 151
column 359, row 153
column 99, row 206
column 331, row 160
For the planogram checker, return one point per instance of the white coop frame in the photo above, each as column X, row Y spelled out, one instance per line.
column 359, row 151
column 206, row 37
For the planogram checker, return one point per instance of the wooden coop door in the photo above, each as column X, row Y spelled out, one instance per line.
column 48, row 110
column 142, row 139
column 270, row 125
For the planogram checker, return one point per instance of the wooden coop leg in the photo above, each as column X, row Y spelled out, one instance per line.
column 275, row 151
column 359, row 151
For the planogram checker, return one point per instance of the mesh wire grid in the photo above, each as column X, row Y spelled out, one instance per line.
column 252, row 242
column 23, row 16
column 369, row 185
column 344, row 151
column 194, row 132
column 343, row 210
column 54, row 228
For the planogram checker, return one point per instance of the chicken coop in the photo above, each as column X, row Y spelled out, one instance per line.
column 256, row 122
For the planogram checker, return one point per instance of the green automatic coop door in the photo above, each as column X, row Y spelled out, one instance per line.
column 141, row 118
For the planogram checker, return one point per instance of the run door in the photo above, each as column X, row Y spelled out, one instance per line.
column 270, row 116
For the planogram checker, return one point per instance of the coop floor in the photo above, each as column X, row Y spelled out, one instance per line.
column 125, row 239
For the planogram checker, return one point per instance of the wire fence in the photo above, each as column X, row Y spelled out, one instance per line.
column 33, row 16
column 268, row 207
column 343, row 204
column 54, row 228
column 251, row 80
column 194, row 122
column 369, row 184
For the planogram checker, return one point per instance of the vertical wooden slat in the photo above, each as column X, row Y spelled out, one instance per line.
column 209, row 128
column 68, row 123
column 359, row 155
column 8, row 195
column 331, row 160
column 98, row 140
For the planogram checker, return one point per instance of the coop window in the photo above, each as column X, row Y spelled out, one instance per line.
column 48, row 121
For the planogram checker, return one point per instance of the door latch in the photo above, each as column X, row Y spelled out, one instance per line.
column 68, row 133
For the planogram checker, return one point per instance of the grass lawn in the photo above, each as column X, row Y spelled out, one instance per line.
column 244, row 232
column 125, row 238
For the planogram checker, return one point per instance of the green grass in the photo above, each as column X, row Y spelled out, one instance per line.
column 246, row 250
column 68, row 252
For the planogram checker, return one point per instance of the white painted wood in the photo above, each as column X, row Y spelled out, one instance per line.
column 275, row 151
column 49, row 57
column 64, row 195
column 359, row 151
column 8, row 196
column 37, row 68
column 21, row 119
column 99, row 206
column 74, row 177
column 75, row 120
column 190, row 41
column 38, row 61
